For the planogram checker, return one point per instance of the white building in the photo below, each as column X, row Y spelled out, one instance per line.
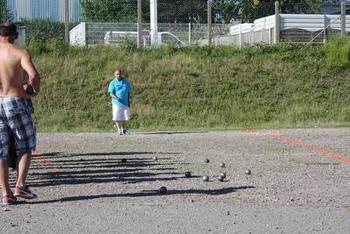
column 44, row 9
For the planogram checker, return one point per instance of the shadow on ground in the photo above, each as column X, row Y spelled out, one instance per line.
column 56, row 169
column 148, row 193
column 52, row 169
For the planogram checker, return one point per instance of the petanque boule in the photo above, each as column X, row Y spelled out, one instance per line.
column 221, row 178
column 188, row 174
column 223, row 174
column 205, row 178
column 206, row 160
column 222, row 165
column 154, row 158
column 248, row 172
column 163, row 190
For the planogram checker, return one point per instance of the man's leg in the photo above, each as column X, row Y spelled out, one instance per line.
column 7, row 195
column 23, row 167
column 125, row 125
column 4, row 178
column 22, row 190
column 120, row 126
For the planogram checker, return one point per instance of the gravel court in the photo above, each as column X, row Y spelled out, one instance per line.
column 84, row 186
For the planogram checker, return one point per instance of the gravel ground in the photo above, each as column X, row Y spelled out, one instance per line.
column 84, row 186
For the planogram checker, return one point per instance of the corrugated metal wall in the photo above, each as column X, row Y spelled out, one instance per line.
column 44, row 9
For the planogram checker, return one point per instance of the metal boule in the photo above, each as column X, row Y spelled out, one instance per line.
column 163, row 190
column 206, row 178
column 221, row 178
column 223, row 174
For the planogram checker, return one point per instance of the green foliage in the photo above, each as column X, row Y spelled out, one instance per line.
column 110, row 10
column 285, row 85
column 249, row 10
column 179, row 11
column 337, row 51
column 43, row 36
column 169, row 11
column 4, row 11
column 43, row 31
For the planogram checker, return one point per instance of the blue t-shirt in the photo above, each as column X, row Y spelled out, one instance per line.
column 121, row 89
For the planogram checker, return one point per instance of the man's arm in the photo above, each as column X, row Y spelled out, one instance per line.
column 113, row 96
column 33, row 76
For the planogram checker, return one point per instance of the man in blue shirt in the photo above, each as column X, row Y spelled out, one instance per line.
column 119, row 90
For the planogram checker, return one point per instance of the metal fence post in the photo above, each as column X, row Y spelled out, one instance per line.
column 66, row 21
column 209, row 23
column 154, row 22
column 240, row 36
column 277, row 22
column 343, row 16
column 139, row 23
column 189, row 30
column 325, row 29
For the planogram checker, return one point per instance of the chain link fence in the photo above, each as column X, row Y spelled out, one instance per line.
column 162, row 23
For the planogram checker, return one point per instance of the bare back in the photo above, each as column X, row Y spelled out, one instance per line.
column 13, row 62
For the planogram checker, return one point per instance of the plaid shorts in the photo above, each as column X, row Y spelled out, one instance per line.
column 15, row 116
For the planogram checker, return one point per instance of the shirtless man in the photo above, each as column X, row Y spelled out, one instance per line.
column 15, row 114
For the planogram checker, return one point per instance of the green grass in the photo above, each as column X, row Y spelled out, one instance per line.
column 196, row 87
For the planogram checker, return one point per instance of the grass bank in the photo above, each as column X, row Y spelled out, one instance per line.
column 196, row 87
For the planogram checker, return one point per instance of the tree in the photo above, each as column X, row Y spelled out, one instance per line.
column 181, row 11
column 4, row 11
column 248, row 10
column 110, row 10
column 169, row 11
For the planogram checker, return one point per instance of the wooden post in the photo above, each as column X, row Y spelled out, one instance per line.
column 343, row 17
column 277, row 23
column 139, row 23
column 209, row 23
column 66, row 21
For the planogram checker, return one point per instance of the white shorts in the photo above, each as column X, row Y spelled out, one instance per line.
column 120, row 113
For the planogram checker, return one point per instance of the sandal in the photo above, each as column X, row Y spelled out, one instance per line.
column 8, row 199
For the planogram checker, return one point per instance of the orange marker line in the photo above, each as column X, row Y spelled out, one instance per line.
column 298, row 143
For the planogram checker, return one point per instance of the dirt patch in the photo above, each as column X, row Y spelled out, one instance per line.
column 93, row 182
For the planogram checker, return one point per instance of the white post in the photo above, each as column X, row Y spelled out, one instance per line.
column 154, row 23
column 189, row 31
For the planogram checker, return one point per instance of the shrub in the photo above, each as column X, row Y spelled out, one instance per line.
column 337, row 52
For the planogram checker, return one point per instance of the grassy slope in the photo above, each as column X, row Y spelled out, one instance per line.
column 195, row 88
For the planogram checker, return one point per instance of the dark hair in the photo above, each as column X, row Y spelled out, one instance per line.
column 8, row 29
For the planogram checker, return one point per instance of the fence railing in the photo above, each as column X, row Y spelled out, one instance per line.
column 298, row 28
column 186, row 28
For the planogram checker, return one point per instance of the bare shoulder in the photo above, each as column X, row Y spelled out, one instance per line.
column 24, row 52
